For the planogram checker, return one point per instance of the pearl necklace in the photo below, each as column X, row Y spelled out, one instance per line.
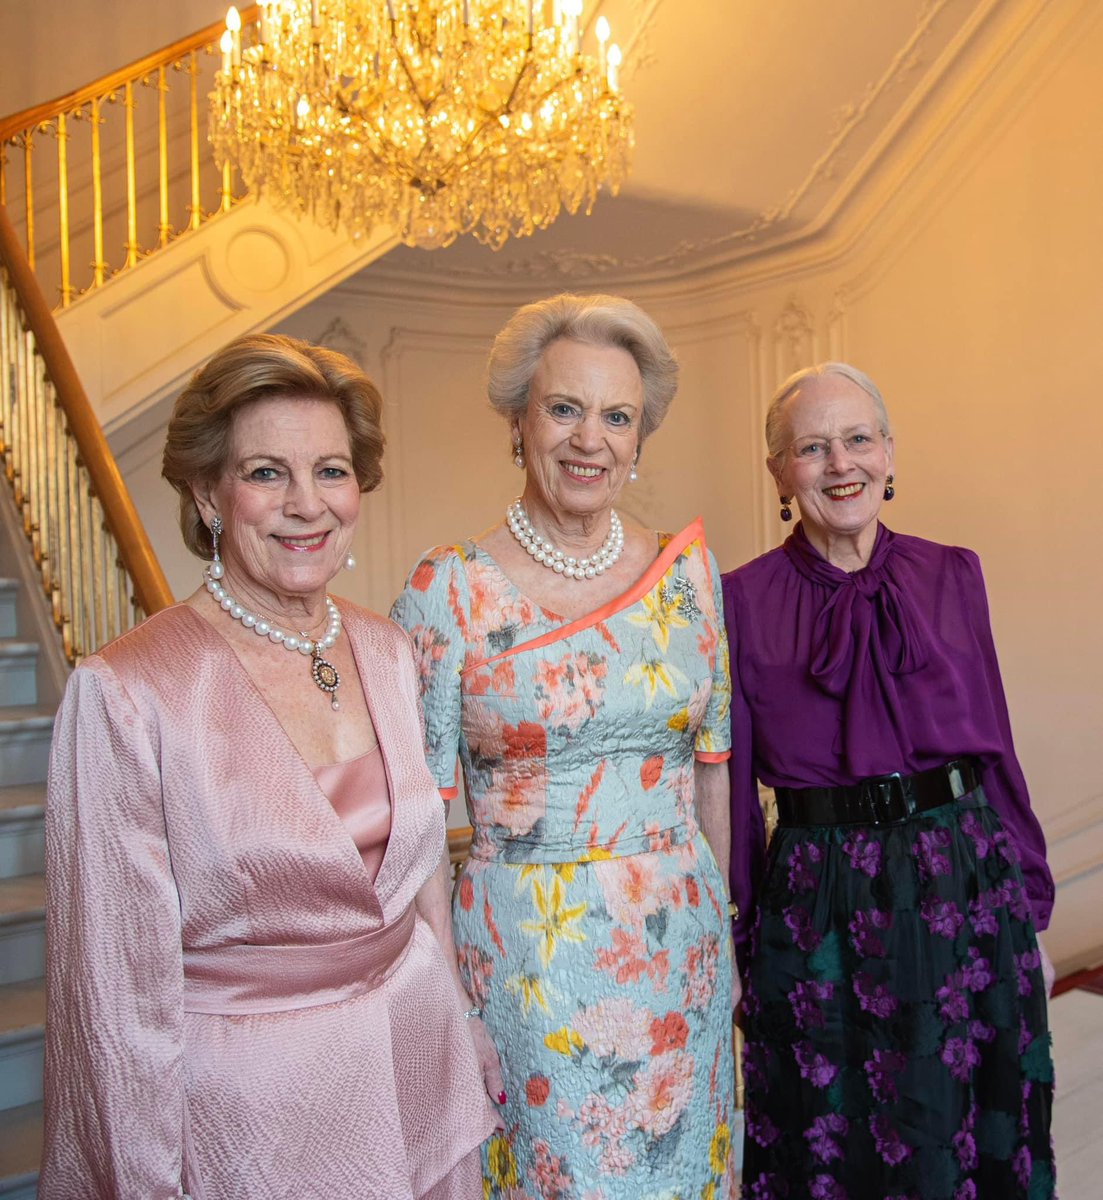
column 565, row 564
column 323, row 673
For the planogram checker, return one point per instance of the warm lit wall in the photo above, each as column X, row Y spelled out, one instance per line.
column 97, row 37
column 970, row 289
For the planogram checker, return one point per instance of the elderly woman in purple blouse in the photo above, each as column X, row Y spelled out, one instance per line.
column 895, row 1003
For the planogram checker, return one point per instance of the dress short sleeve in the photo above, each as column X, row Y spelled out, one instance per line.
column 713, row 742
column 432, row 608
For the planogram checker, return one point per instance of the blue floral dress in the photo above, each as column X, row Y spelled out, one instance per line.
column 590, row 919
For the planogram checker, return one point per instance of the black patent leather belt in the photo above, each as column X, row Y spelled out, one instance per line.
column 880, row 800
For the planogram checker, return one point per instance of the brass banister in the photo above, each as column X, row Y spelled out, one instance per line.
column 115, row 171
column 31, row 117
column 77, row 514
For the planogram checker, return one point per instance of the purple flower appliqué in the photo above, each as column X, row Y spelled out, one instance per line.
column 887, row 1141
column 881, row 1071
column 804, row 1000
column 975, row 832
column 967, row 1191
column 1009, row 852
column 1029, row 960
column 799, row 924
column 952, row 1003
column 801, row 878
column 820, row 1136
column 864, row 853
column 1025, row 1037
column 982, row 918
column 1018, row 903
column 818, row 1070
column 873, row 997
column 980, row 1031
column 1022, row 1164
column 760, row 1127
column 942, row 917
column 763, row 1188
column 864, row 935
column 976, row 975
column 928, row 853
column 965, row 1147
column 961, row 1056
column 823, row 1187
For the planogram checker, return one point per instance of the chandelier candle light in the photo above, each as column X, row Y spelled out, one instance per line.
column 438, row 117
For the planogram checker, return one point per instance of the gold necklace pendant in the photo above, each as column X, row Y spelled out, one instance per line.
column 326, row 677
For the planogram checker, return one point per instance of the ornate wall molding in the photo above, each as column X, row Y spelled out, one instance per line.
column 942, row 67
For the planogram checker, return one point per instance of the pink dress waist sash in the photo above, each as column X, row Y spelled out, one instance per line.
column 244, row 979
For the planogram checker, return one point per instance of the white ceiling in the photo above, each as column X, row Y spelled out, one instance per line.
column 755, row 119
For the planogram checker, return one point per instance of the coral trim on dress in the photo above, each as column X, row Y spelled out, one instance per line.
column 670, row 553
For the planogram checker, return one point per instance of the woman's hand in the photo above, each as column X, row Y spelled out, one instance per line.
column 489, row 1063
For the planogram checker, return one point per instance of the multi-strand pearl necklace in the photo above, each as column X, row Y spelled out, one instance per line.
column 565, row 564
column 322, row 672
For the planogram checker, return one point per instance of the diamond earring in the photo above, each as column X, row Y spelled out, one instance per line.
column 216, row 568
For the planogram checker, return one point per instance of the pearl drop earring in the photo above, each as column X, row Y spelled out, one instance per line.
column 350, row 563
column 216, row 568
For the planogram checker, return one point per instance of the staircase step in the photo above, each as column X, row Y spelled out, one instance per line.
column 9, row 618
column 22, row 928
column 18, row 670
column 21, row 831
column 20, row 1152
column 22, row 1029
column 25, row 732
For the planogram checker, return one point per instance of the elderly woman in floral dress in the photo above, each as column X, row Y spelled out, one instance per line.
column 576, row 663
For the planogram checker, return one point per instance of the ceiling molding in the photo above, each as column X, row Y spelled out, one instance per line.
column 935, row 108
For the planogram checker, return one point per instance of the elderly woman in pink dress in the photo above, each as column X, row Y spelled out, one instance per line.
column 252, row 987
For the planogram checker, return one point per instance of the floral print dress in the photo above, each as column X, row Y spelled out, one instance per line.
column 590, row 919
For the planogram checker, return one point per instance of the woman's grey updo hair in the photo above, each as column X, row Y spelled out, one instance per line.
column 775, row 424
column 596, row 320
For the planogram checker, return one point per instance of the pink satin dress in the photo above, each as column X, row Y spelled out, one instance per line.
column 358, row 791
column 243, row 999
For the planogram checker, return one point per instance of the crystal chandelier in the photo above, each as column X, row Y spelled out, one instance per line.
column 437, row 117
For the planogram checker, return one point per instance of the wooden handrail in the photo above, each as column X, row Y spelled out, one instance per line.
column 29, row 118
column 151, row 589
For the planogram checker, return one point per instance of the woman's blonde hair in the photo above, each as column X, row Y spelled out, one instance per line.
column 263, row 366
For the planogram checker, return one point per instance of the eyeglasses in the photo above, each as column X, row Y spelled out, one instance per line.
column 816, row 447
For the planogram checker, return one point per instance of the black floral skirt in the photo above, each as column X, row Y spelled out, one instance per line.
column 897, row 1046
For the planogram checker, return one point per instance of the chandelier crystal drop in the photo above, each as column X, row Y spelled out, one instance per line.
column 437, row 117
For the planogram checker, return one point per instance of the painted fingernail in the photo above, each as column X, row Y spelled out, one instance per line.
column 501, row 1097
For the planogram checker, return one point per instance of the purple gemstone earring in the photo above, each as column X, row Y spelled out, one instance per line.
column 786, row 511
column 890, row 491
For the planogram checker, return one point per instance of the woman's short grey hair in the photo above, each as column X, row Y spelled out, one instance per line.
column 775, row 423
column 596, row 320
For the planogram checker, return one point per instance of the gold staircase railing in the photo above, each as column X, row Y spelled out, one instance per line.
column 97, row 568
column 130, row 168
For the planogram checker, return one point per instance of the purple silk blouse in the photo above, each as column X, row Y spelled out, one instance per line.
column 839, row 676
